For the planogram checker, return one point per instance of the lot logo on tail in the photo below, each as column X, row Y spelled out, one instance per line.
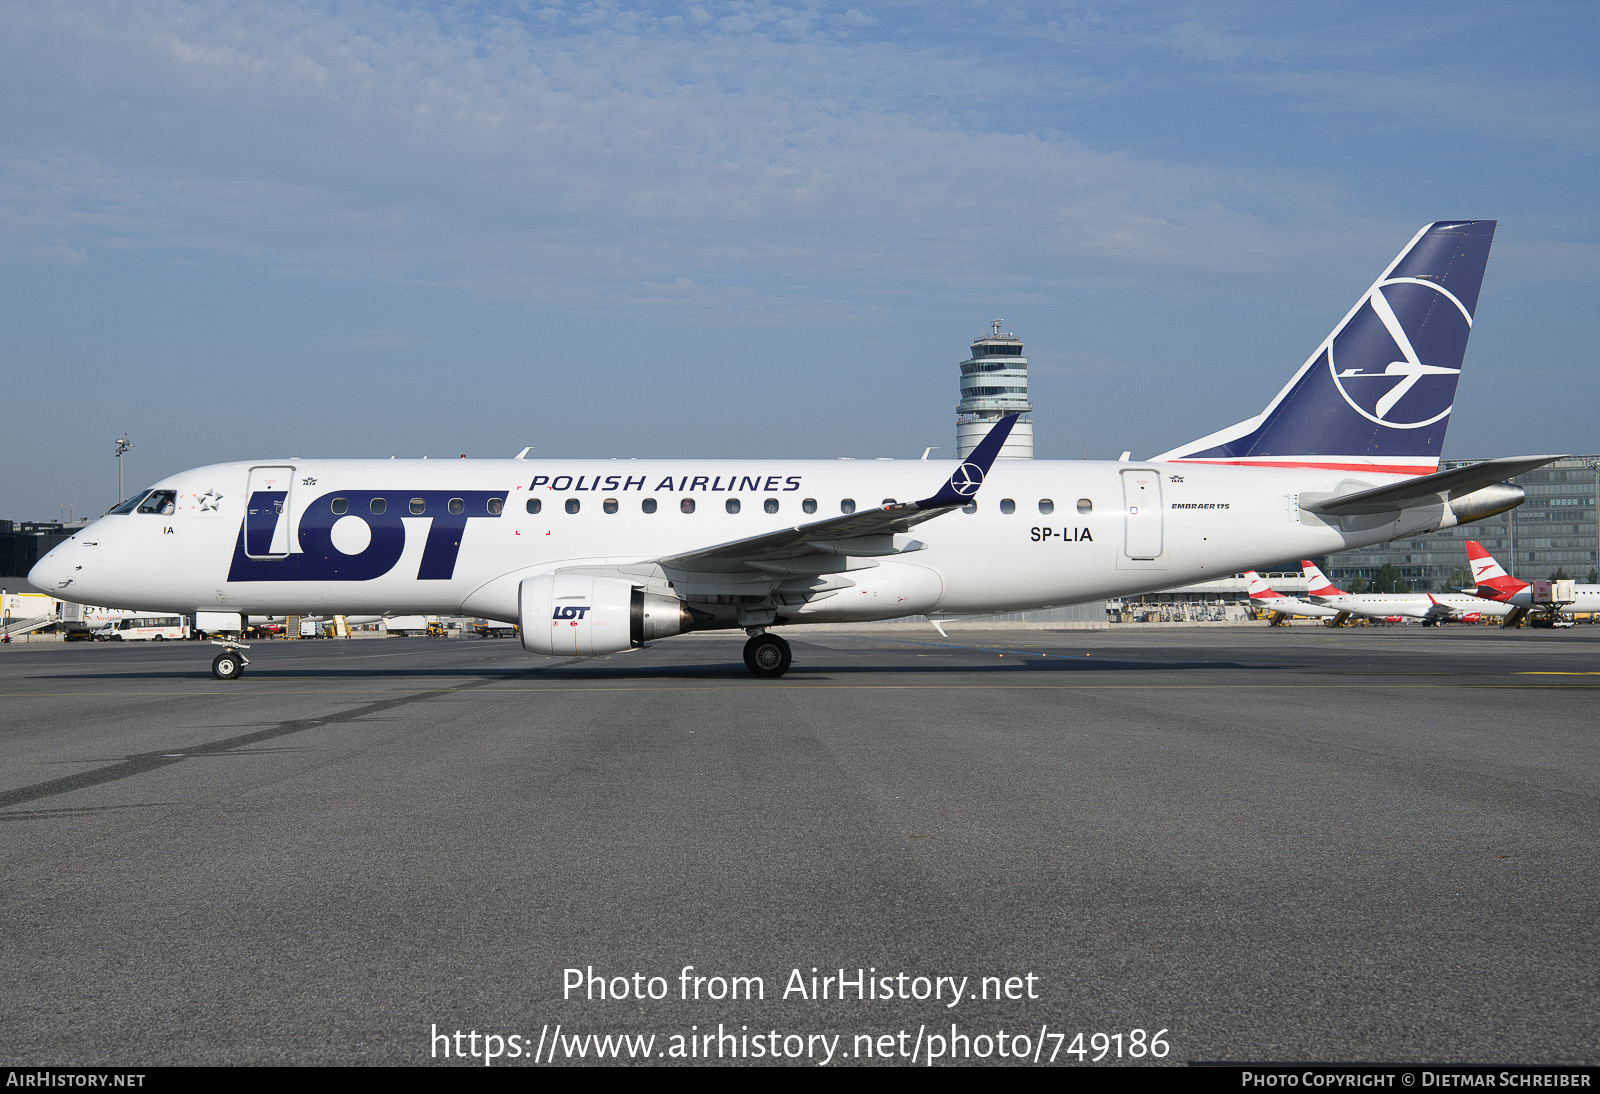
column 1398, row 315
column 967, row 479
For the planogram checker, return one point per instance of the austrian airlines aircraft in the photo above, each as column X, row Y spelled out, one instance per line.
column 1495, row 585
column 1430, row 608
column 1265, row 598
column 598, row 556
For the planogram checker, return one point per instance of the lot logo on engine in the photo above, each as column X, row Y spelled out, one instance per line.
column 570, row 612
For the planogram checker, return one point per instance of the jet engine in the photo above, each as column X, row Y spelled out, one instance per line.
column 586, row 616
column 1487, row 501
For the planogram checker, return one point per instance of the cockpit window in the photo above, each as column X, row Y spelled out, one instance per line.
column 128, row 506
column 162, row 502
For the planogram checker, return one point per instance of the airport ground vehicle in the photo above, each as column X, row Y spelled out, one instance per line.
column 144, row 628
column 592, row 557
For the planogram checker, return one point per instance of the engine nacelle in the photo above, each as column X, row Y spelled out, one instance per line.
column 585, row 616
column 1487, row 501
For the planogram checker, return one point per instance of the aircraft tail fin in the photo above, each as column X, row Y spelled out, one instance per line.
column 1376, row 395
column 1318, row 584
column 1493, row 581
column 1259, row 589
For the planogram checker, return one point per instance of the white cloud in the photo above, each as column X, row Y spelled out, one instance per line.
column 770, row 165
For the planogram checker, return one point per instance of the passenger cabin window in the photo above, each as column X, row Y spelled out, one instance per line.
column 160, row 502
column 809, row 505
column 495, row 505
column 378, row 505
column 609, row 505
column 1046, row 506
column 340, row 506
column 770, row 505
column 573, row 505
column 648, row 505
column 686, row 505
column 848, row 505
column 418, row 507
column 731, row 505
column 888, row 501
column 1008, row 505
column 457, row 506
column 534, row 505
column 1085, row 505
column 970, row 508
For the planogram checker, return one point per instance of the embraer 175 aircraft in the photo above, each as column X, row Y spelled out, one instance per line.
column 1432, row 609
column 1267, row 599
column 1496, row 586
column 597, row 556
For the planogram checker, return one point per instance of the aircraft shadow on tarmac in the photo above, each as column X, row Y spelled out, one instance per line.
column 1011, row 664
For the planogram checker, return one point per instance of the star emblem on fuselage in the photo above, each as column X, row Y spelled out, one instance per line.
column 208, row 501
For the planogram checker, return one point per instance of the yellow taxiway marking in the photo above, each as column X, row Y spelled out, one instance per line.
column 1553, row 672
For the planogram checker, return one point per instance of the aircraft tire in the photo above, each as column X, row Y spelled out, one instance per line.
column 767, row 656
column 227, row 666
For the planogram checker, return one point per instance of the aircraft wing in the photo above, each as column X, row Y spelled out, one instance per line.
column 825, row 546
column 1438, row 611
column 1454, row 483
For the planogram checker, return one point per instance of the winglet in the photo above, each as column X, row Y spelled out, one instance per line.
column 962, row 486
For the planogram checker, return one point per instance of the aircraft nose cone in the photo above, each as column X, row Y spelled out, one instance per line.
column 49, row 572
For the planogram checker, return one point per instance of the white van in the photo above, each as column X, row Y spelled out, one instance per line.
column 144, row 628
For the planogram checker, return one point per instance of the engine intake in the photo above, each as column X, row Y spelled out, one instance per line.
column 586, row 616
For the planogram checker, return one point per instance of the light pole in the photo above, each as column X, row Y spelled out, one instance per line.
column 123, row 444
column 1594, row 465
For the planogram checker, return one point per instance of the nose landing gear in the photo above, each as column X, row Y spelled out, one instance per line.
column 766, row 655
column 230, row 663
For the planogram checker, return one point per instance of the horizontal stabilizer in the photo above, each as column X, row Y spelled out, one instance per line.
column 1454, row 483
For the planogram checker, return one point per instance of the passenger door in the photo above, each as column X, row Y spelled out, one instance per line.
column 269, row 512
column 1141, row 499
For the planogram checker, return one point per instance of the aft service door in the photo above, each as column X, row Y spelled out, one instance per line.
column 1141, row 502
column 268, row 513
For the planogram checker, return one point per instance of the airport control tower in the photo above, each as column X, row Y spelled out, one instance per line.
column 994, row 381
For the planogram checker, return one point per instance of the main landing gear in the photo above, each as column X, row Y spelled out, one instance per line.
column 766, row 655
column 230, row 663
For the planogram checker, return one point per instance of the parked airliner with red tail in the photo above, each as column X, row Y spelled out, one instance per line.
column 597, row 556
column 1430, row 609
column 1265, row 598
column 1517, row 597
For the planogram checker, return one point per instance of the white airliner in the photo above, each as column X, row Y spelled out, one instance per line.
column 1430, row 608
column 599, row 556
column 1516, row 597
column 1264, row 598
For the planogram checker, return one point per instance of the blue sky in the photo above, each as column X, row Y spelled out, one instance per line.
column 249, row 230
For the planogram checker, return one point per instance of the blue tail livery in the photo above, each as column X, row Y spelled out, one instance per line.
column 1376, row 395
